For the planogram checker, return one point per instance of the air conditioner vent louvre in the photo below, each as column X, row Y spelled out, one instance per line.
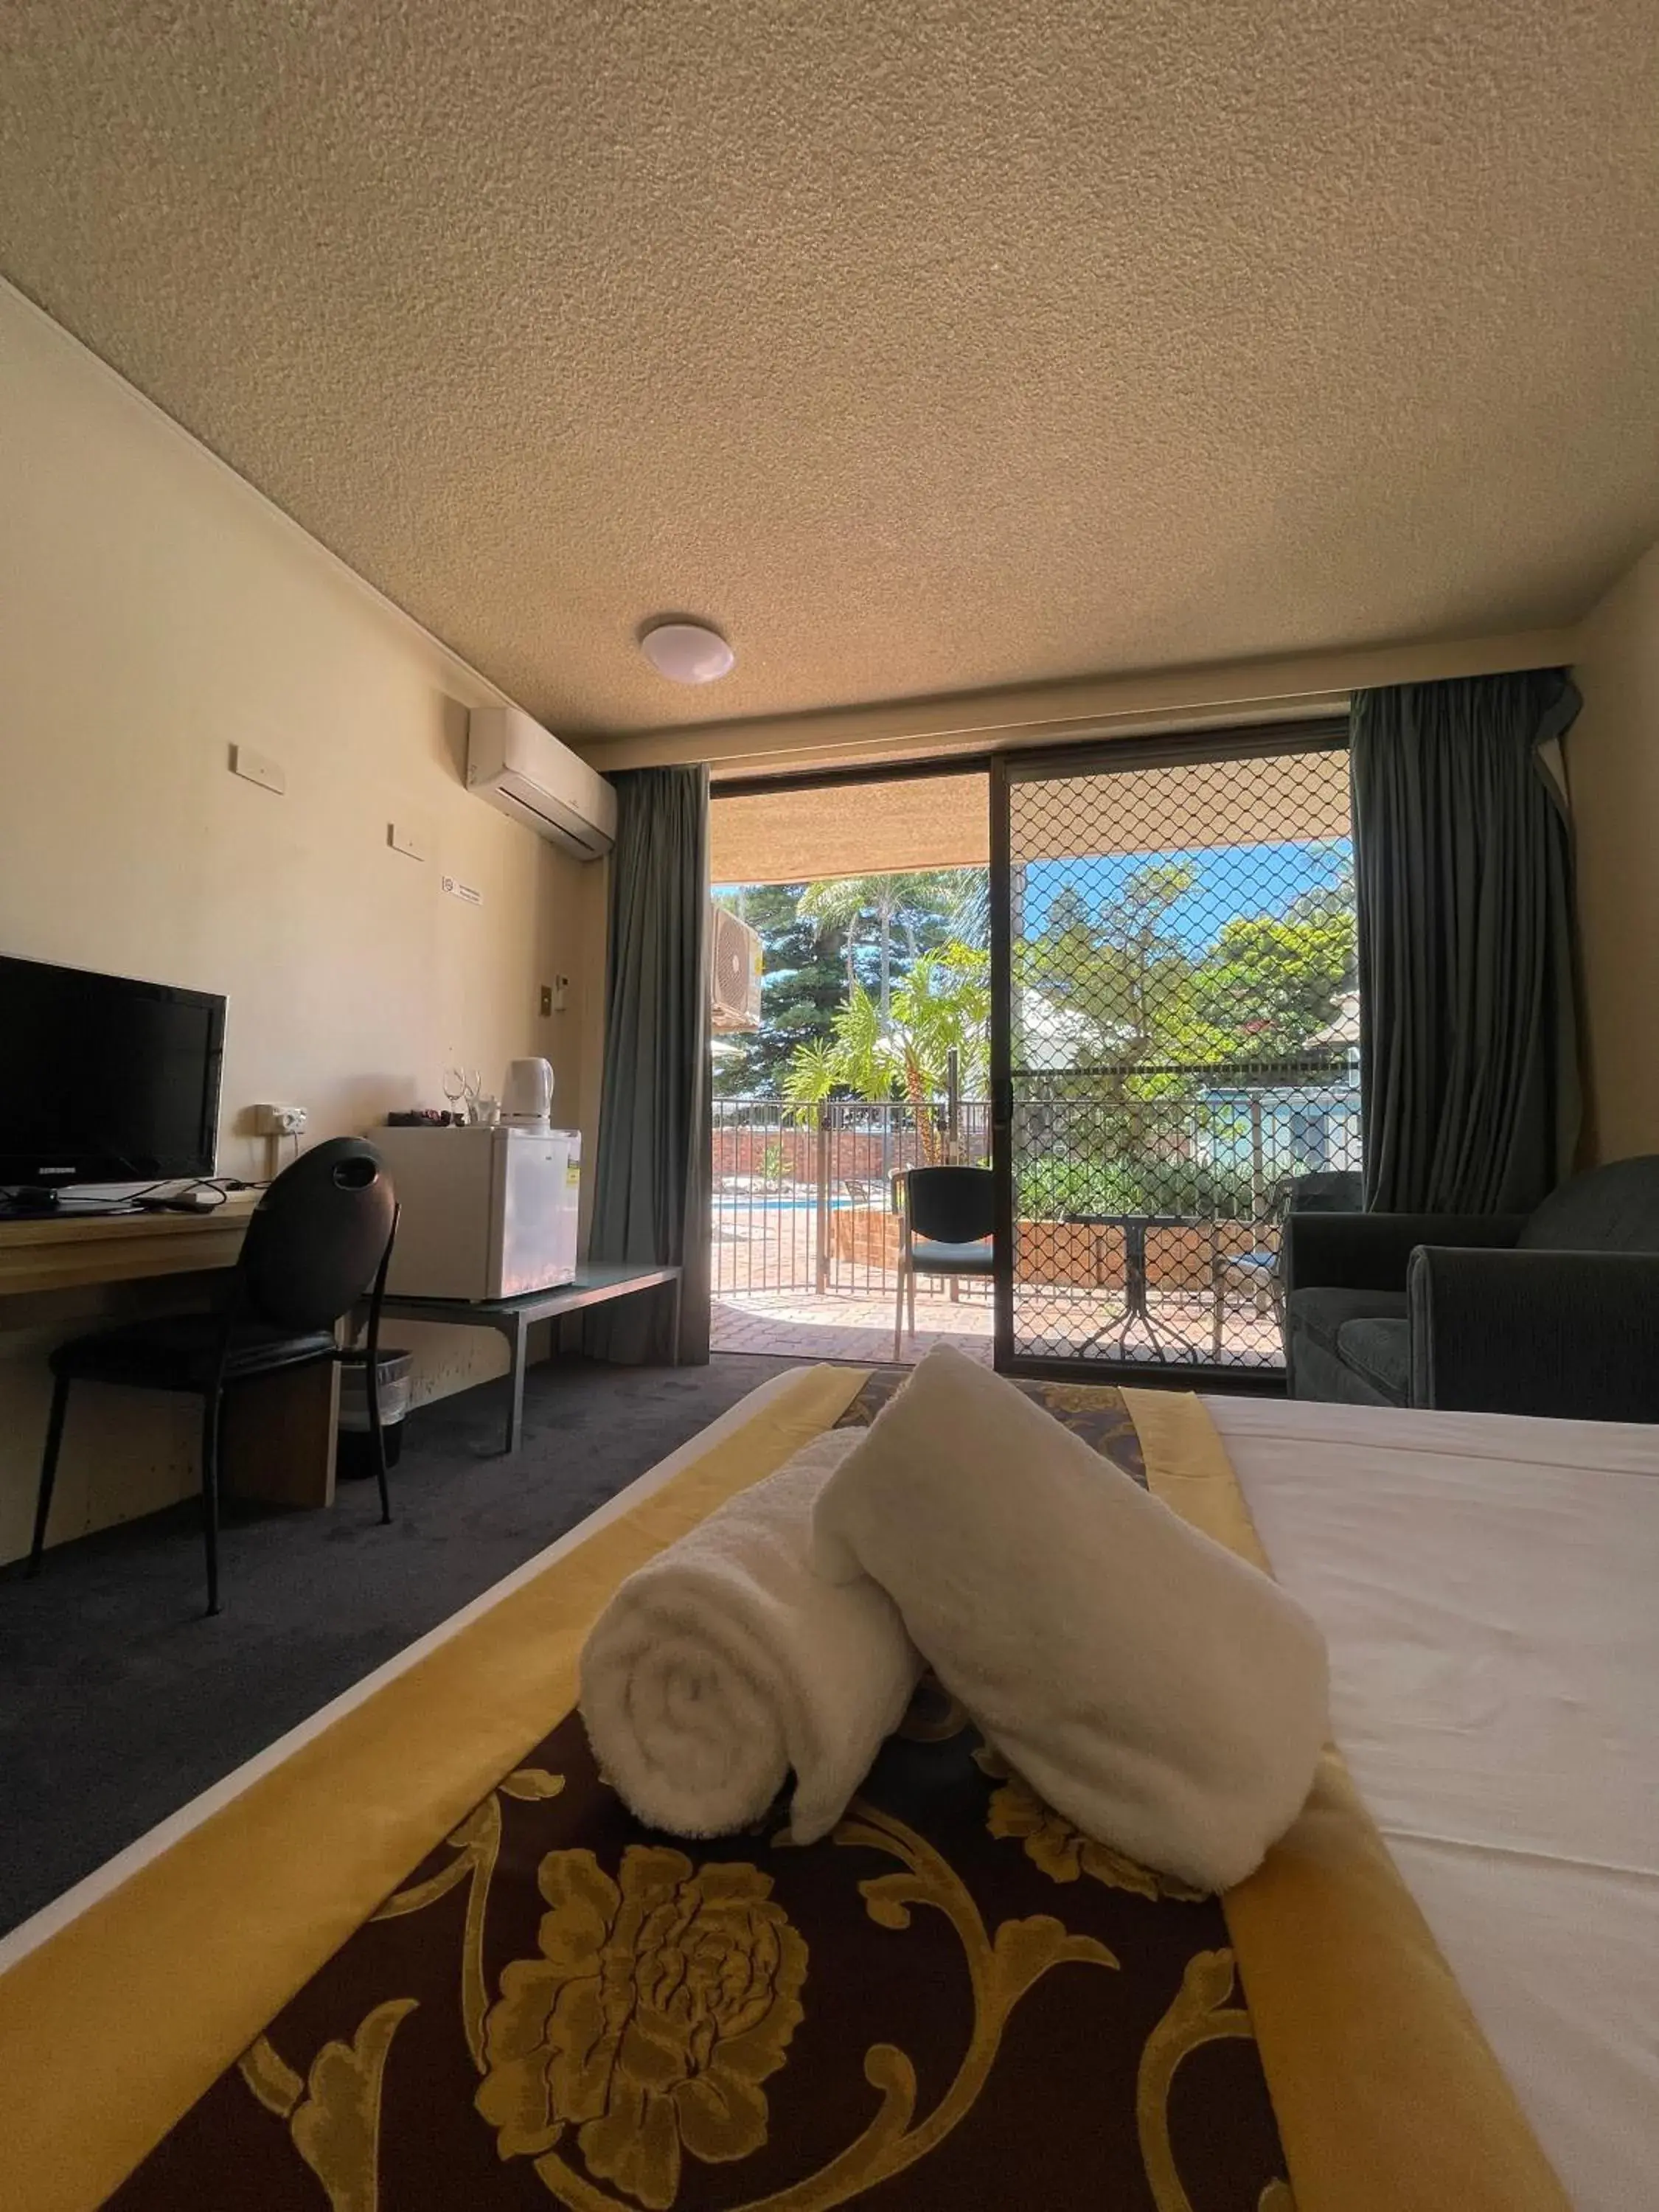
column 735, row 974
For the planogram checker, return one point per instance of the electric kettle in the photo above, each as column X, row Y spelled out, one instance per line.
column 527, row 1095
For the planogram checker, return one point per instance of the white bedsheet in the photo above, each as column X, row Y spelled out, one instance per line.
column 1490, row 1590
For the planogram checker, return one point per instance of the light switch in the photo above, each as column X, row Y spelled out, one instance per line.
column 259, row 767
column 414, row 842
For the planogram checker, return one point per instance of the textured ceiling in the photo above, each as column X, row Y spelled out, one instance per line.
column 800, row 836
column 922, row 348
column 793, row 834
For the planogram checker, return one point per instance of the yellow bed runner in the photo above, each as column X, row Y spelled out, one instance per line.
column 1386, row 2096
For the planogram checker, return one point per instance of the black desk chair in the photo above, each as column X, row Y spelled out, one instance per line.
column 947, row 1217
column 318, row 1238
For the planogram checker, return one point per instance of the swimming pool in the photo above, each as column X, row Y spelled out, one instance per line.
column 773, row 1202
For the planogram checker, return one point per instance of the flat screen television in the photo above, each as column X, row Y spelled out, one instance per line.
column 103, row 1079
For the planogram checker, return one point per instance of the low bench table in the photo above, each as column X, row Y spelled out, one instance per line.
column 596, row 1283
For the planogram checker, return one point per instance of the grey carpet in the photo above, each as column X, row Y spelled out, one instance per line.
column 119, row 1701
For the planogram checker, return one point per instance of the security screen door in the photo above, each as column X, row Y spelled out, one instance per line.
column 1175, row 1038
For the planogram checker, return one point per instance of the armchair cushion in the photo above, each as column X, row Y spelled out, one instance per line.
column 1613, row 1208
column 1318, row 1325
column 1322, row 1313
column 1379, row 1352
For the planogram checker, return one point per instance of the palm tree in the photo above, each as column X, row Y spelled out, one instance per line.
column 891, row 903
column 943, row 1005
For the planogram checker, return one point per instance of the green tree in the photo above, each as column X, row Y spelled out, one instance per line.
column 1271, row 982
column 1131, row 1016
column 1120, row 981
column 902, row 915
column 1125, row 991
column 942, row 1006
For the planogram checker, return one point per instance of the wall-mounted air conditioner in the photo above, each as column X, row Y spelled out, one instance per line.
column 524, row 771
column 734, row 969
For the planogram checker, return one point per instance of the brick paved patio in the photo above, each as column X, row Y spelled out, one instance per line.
column 800, row 1325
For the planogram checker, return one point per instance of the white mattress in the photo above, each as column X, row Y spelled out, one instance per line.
column 1489, row 1590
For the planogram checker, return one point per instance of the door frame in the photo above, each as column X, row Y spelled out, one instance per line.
column 1036, row 764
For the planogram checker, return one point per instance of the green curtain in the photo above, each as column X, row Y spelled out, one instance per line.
column 1469, row 1067
column 651, row 1193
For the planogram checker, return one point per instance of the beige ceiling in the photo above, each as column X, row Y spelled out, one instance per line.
column 800, row 834
column 923, row 348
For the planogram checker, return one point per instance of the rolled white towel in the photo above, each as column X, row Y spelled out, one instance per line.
column 1164, row 1695
column 726, row 1663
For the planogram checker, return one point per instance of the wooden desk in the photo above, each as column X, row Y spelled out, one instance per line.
column 48, row 1253
column 279, row 1432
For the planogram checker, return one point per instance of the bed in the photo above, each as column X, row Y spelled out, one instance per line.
column 417, row 1954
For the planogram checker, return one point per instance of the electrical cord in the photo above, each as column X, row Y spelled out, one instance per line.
column 88, row 1205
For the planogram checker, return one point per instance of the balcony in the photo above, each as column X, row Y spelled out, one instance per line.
column 1147, row 1223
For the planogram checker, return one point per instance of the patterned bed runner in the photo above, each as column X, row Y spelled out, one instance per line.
column 955, row 2000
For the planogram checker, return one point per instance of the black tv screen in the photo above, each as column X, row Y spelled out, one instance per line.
column 103, row 1079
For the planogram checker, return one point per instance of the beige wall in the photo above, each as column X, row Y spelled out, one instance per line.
column 154, row 611
column 1613, row 772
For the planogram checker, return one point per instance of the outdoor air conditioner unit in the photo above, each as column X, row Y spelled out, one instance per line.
column 735, row 974
column 524, row 771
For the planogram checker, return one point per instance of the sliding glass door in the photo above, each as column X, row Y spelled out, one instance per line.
column 1174, row 1041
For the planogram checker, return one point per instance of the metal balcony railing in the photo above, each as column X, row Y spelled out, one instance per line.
column 1148, row 1199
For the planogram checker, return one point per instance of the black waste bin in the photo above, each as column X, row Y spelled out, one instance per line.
column 356, row 1457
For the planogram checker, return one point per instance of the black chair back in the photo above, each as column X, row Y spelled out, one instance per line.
column 317, row 1237
column 1332, row 1190
column 951, row 1205
column 1612, row 1208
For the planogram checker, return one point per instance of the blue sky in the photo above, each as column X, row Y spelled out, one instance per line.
column 1233, row 880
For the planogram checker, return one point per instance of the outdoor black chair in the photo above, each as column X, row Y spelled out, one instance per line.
column 1554, row 1312
column 318, row 1240
column 947, row 1217
column 1261, row 1270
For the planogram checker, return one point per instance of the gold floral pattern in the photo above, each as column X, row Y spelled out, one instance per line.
column 1055, row 1847
column 334, row 2113
column 660, row 2002
column 654, row 1997
column 1204, row 2011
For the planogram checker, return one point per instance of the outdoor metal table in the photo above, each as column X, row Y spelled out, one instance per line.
column 1135, row 1227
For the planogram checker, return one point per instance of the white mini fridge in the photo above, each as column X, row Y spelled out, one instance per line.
column 486, row 1213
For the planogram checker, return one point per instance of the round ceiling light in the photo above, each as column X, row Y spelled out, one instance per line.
column 687, row 652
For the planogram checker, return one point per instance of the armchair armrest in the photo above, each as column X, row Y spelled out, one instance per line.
column 1571, row 1334
column 1373, row 1251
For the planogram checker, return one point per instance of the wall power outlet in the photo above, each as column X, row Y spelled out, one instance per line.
column 279, row 1121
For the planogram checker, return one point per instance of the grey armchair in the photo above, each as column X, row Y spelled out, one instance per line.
column 1554, row 1312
